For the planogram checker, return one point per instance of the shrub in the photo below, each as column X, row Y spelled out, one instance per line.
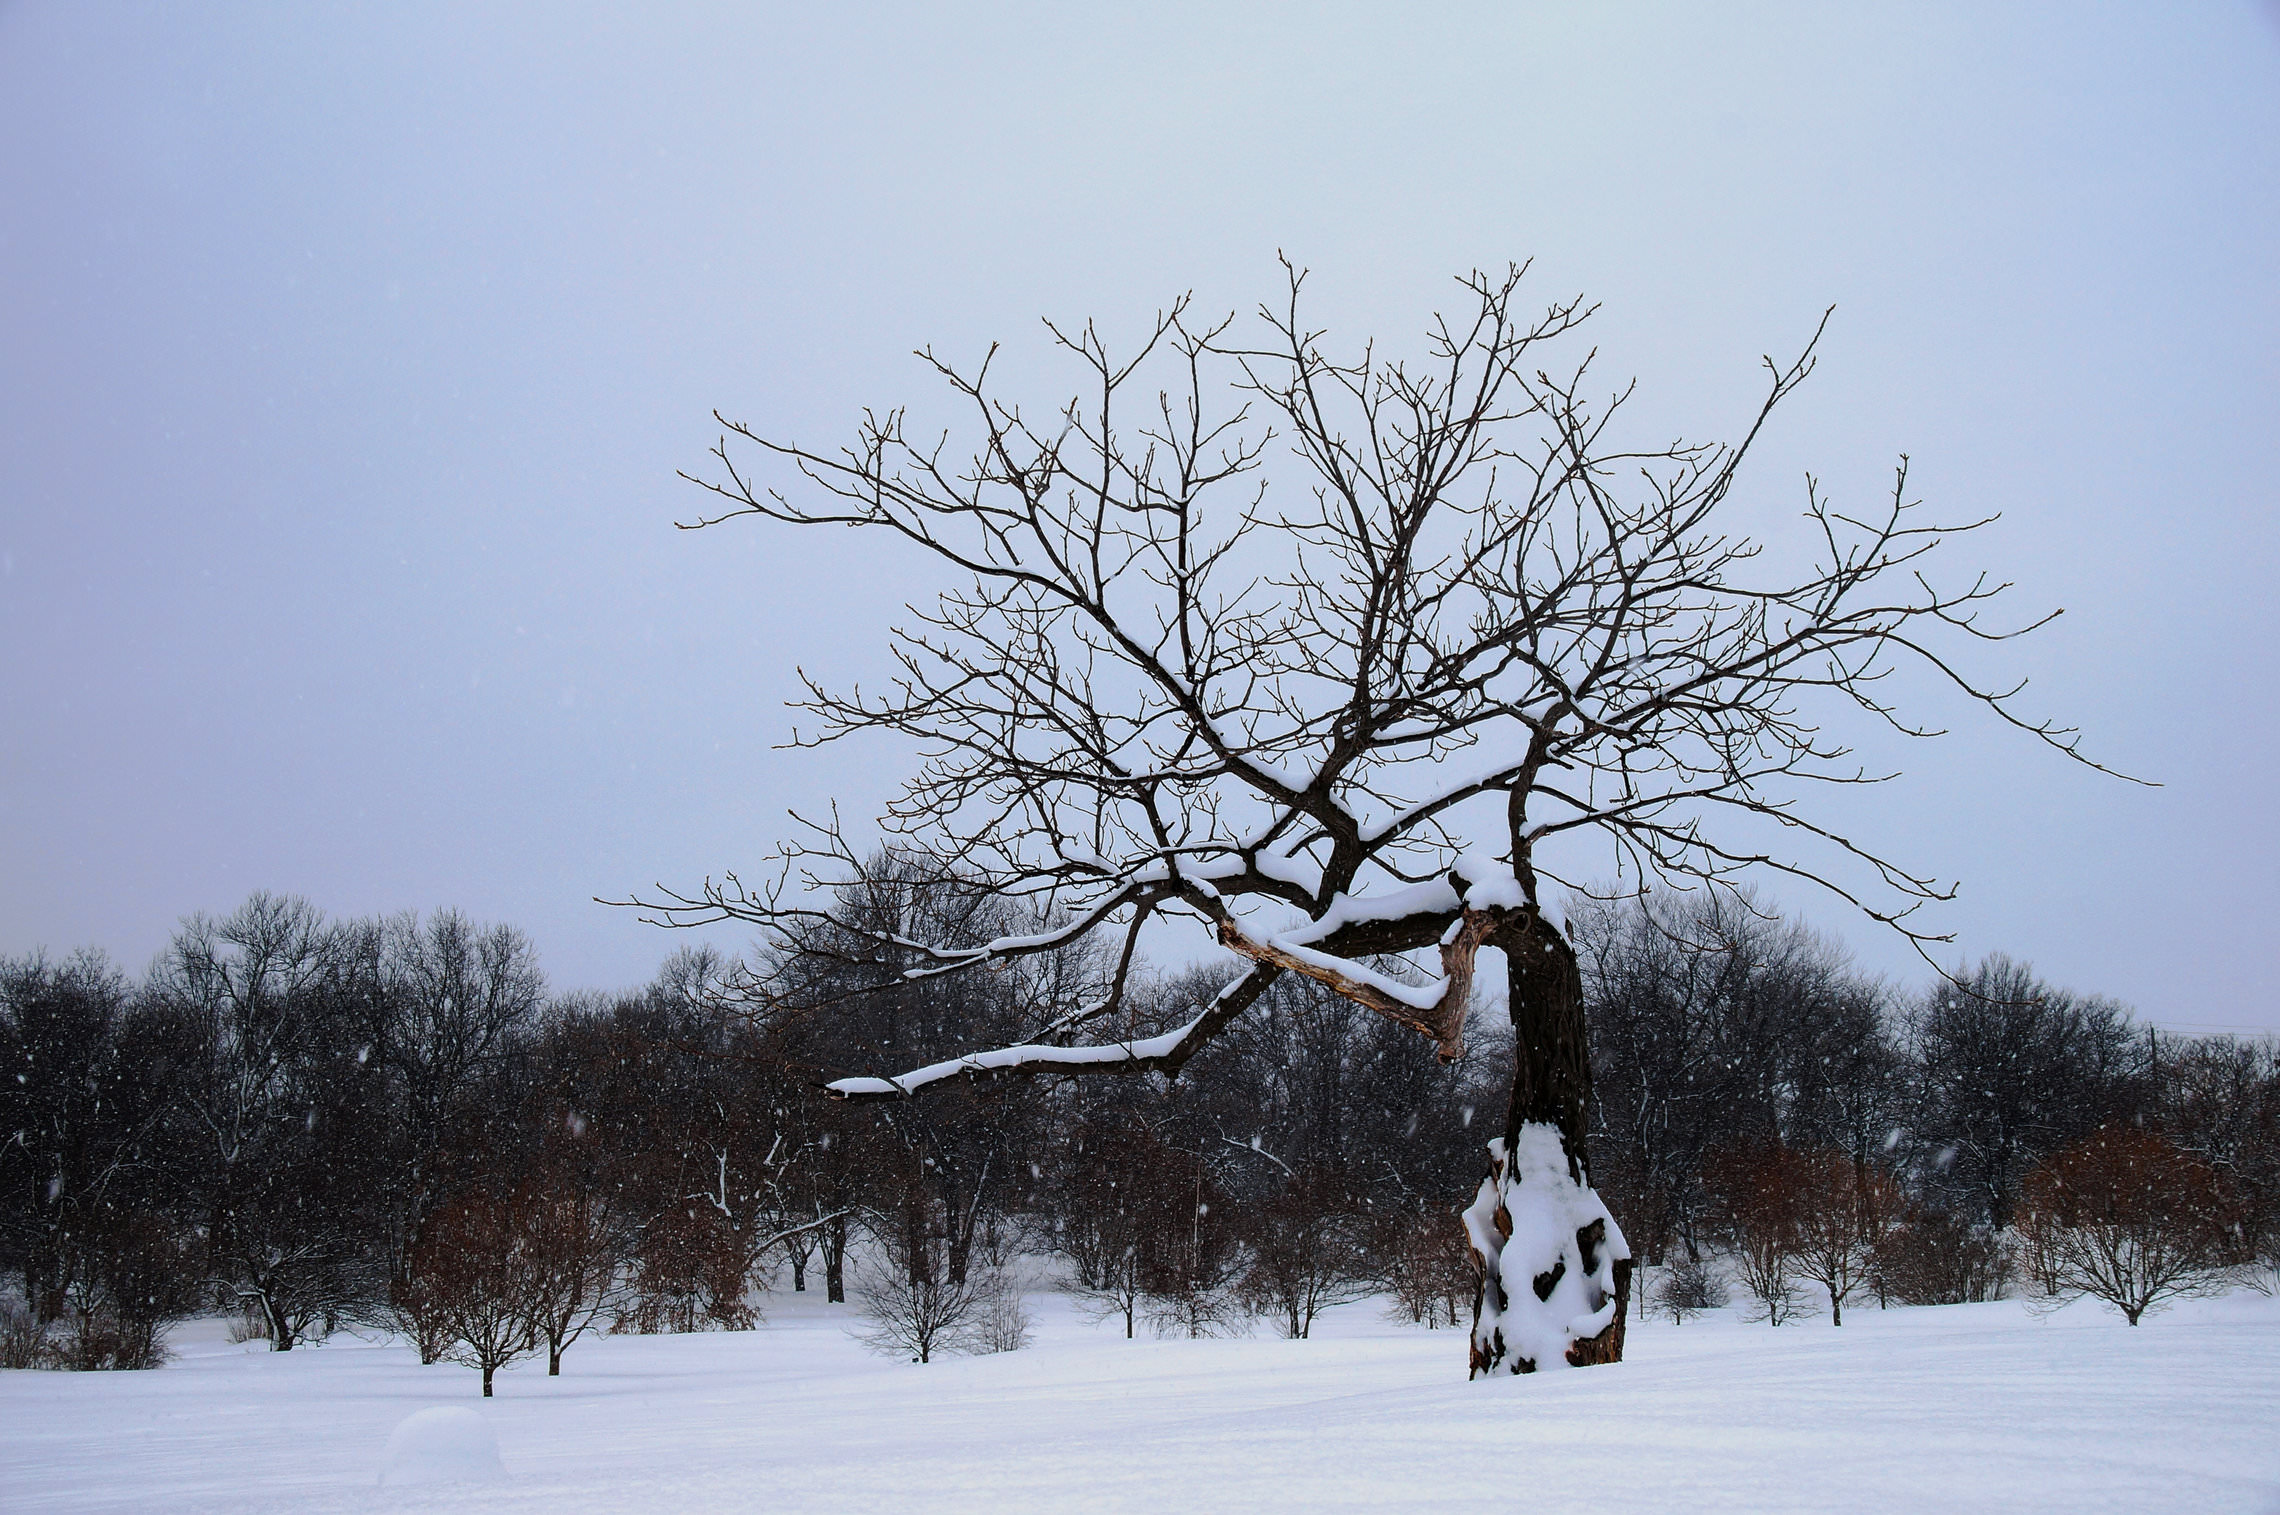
column 1934, row 1258
column 24, row 1341
column 688, row 1275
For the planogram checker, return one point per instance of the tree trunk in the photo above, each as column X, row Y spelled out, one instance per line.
column 281, row 1334
column 835, row 1262
column 486, row 1380
column 1555, row 1271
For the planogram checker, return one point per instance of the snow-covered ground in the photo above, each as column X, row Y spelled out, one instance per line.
column 1974, row 1407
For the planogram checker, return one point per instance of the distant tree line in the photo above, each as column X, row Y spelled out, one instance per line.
column 394, row 1123
column 1837, row 1139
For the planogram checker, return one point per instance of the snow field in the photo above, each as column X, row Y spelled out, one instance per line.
column 1964, row 1408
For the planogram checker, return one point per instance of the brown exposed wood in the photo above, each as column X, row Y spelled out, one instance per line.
column 1443, row 1022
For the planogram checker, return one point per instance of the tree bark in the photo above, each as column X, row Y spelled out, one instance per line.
column 835, row 1262
column 1555, row 1270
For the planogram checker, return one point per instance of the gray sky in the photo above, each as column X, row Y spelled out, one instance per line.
column 347, row 355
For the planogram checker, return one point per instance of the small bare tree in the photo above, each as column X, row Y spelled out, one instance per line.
column 1335, row 657
column 478, row 1281
column 913, row 1302
column 1422, row 1259
column 1305, row 1257
column 1689, row 1287
column 1844, row 1210
column 1761, row 1190
column 2126, row 1217
column 577, row 1256
column 1111, row 1290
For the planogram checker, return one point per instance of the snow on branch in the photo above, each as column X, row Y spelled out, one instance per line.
column 1166, row 1053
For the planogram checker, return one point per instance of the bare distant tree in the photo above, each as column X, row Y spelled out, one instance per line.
column 1423, row 1261
column 2220, row 1097
column 476, row 1274
column 1689, row 1287
column 1358, row 716
column 576, row 1247
column 2009, row 1070
column 2127, row 1217
column 1713, row 1022
column 272, row 1089
column 1305, row 1256
column 1845, row 1209
column 1761, row 1192
column 914, row 1303
column 448, row 1000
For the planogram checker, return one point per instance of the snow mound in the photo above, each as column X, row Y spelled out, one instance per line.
column 446, row 1444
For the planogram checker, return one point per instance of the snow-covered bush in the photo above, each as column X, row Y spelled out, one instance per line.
column 444, row 1444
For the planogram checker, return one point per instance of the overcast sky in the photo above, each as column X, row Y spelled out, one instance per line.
column 347, row 356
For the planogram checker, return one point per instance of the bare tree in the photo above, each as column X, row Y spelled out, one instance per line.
column 1712, row 1023
column 1761, row 1191
column 913, row 1302
column 1688, row 1287
column 2009, row 1070
column 1844, row 1211
column 1423, row 1260
column 2127, row 1217
column 576, row 1254
column 1305, row 1256
column 274, row 1092
column 1363, row 715
column 449, row 998
column 2220, row 1098
column 475, row 1270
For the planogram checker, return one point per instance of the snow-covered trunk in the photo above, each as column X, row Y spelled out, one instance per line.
column 1555, row 1270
